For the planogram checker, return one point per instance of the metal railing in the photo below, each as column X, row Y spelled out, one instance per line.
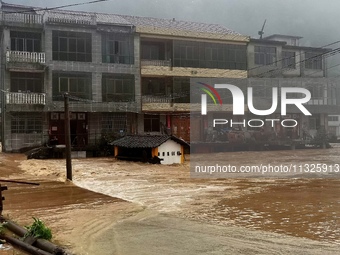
column 25, row 98
column 146, row 62
column 156, row 99
column 25, row 56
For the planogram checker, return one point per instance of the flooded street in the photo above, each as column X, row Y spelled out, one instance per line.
column 296, row 214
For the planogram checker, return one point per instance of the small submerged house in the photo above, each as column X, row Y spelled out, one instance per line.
column 148, row 148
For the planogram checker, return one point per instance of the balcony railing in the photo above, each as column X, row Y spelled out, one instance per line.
column 145, row 62
column 24, row 56
column 26, row 18
column 156, row 99
column 74, row 19
column 25, row 98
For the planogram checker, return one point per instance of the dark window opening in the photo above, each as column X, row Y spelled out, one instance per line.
column 27, row 82
column 265, row 55
column 117, row 48
column 210, row 55
column 25, row 41
column 151, row 123
column 118, row 88
column 313, row 60
column 71, row 46
column 77, row 84
column 153, row 51
column 288, row 59
column 30, row 123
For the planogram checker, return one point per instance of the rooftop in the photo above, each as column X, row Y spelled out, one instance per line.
column 282, row 36
column 145, row 141
column 143, row 24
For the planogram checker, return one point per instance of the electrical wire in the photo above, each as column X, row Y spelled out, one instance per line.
column 54, row 8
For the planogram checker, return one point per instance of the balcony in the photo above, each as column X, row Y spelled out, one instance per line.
column 23, row 18
column 25, row 56
column 163, row 103
column 25, row 98
column 25, row 61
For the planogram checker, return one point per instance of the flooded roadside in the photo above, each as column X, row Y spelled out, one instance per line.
column 298, row 207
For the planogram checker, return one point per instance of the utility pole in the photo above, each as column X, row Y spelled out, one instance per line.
column 1, row 197
column 67, row 138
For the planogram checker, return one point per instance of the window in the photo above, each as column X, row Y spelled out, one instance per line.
column 115, row 123
column 288, row 59
column 25, row 41
column 153, row 51
column 265, row 55
column 77, row 84
column 210, row 55
column 26, row 82
column 118, row 88
column 181, row 90
column 26, row 123
column 151, row 123
column 333, row 118
column 117, row 48
column 313, row 60
column 156, row 86
column 71, row 46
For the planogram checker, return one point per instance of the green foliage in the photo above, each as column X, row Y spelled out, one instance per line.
column 2, row 228
column 39, row 230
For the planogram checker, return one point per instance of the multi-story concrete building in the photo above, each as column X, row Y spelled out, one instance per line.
column 125, row 74
column 279, row 61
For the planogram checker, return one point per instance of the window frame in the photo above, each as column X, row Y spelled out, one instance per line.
column 80, row 80
column 313, row 61
column 289, row 59
column 67, row 46
column 118, row 48
column 26, row 124
column 265, row 55
column 154, row 123
column 110, row 82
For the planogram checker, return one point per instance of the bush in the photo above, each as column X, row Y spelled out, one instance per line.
column 38, row 230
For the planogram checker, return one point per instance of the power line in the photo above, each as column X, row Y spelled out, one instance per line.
column 54, row 8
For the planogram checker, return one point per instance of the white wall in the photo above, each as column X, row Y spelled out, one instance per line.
column 169, row 148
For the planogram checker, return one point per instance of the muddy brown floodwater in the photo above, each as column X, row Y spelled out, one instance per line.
column 117, row 207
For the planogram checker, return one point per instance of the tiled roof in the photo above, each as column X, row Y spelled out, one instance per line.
column 179, row 25
column 145, row 141
column 111, row 19
column 143, row 24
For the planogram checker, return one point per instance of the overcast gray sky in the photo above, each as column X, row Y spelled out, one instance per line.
column 315, row 20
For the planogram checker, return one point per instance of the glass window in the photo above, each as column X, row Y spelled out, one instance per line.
column 27, row 82
column 118, row 87
column 26, row 123
column 313, row 60
column 265, row 55
column 77, row 84
column 288, row 59
column 151, row 123
column 210, row 55
column 25, row 41
column 71, row 46
column 117, row 48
